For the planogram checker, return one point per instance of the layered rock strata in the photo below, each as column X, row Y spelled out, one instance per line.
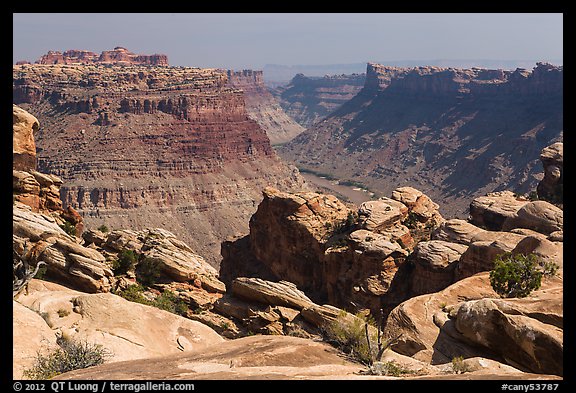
column 263, row 107
column 310, row 99
column 455, row 134
column 152, row 147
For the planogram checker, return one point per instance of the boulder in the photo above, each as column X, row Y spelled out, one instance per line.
column 542, row 248
column 526, row 332
column 492, row 210
column 38, row 237
column 177, row 260
column 456, row 231
column 434, row 264
column 550, row 187
column 429, row 331
column 24, row 125
column 379, row 214
column 288, row 233
column 540, row 216
column 281, row 293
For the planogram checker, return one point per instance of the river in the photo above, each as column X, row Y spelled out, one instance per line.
column 354, row 194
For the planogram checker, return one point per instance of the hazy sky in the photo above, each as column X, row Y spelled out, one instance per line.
column 252, row 40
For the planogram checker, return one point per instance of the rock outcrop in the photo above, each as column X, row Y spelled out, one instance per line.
column 550, row 187
column 308, row 100
column 118, row 55
column 149, row 146
column 468, row 319
column 263, row 107
column 455, row 134
column 336, row 255
column 126, row 330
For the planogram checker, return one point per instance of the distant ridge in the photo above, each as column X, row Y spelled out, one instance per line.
column 276, row 74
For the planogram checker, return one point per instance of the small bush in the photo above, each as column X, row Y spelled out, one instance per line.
column 135, row 293
column 63, row 313
column 126, row 261
column 349, row 335
column 41, row 273
column 71, row 355
column 169, row 301
column 103, row 228
column 518, row 275
column 69, row 228
column 458, row 365
column 390, row 368
column 148, row 272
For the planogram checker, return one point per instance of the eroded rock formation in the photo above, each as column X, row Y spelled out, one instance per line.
column 147, row 146
column 118, row 55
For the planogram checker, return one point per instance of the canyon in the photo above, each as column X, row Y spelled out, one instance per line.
column 308, row 262
column 263, row 107
column 453, row 133
column 310, row 99
column 145, row 145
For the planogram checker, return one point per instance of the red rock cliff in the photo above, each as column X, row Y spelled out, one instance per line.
column 152, row 146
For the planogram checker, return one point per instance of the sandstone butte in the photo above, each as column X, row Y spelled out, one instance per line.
column 118, row 55
column 428, row 274
column 152, row 146
column 453, row 133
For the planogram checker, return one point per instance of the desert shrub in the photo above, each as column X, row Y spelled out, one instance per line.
column 390, row 368
column 169, row 301
column 148, row 272
column 134, row 293
column 71, row 355
column 349, row 335
column 103, row 228
column 126, row 261
column 458, row 365
column 63, row 313
column 69, row 228
column 517, row 275
column 41, row 273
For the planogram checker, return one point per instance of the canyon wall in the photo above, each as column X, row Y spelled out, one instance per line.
column 152, row 147
column 263, row 107
column 453, row 133
column 310, row 99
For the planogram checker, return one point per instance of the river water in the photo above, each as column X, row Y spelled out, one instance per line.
column 354, row 194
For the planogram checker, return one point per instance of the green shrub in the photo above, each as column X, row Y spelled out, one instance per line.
column 134, row 293
column 41, row 273
column 169, row 301
column 103, row 228
column 518, row 275
column 71, row 355
column 126, row 261
column 148, row 272
column 69, row 228
column 349, row 335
